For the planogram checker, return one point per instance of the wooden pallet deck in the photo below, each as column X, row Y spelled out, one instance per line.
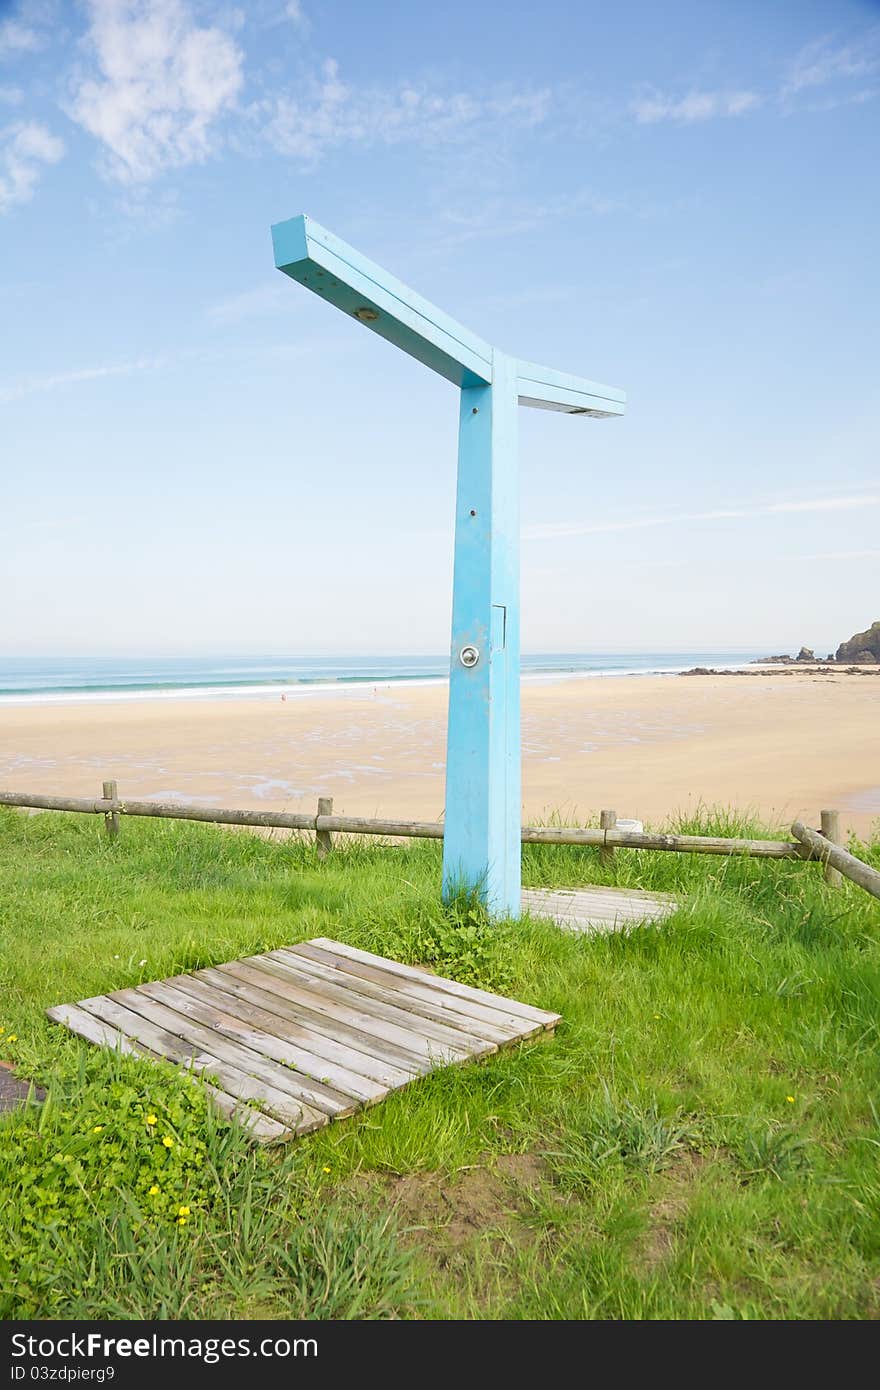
column 300, row 1036
column 597, row 910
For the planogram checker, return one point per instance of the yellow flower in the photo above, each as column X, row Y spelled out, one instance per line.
column 168, row 1142
column 656, row 1015
column 790, row 1099
column 183, row 1211
column 13, row 1037
column 151, row 1119
column 2, row 1030
column 181, row 1220
column 96, row 1129
column 154, row 1191
column 325, row 1169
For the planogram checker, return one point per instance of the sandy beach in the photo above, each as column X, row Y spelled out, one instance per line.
column 782, row 743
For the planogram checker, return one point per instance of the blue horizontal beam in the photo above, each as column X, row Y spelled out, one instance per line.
column 335, row 271
column 328, row 266
column 549, row 390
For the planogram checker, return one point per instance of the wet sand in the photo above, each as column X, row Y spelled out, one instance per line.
column 783, row 744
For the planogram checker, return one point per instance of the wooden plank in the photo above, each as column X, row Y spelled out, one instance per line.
column 464, row 1014
column 308, row 1034
column 588, row 901
column 252, row 987
column 454, row 1027
column 513, row 1006
column 623, row 906
column 261, row 1127
column 610, row 895
column 343, row 1008
column 442, row 1041
column 337, row 1084
column 93, row 1030
column 354, row 1059
column 245, row 1055
column 277, row 1079
column 236, row 1083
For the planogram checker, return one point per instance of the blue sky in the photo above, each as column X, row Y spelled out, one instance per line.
column 680, row 200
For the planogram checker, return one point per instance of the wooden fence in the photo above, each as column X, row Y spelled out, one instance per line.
column 820, row 846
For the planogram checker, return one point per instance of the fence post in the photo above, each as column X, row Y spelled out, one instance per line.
column 830, row 824
column 111, row 818
column 323, row 838
column 607, row 821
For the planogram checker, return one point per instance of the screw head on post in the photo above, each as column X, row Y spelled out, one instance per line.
column 469, row 656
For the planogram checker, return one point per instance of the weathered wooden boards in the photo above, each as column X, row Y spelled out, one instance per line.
column 596, row 910
column 300, row 1036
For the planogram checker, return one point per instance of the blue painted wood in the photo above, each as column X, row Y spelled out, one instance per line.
column 551, row 390
column 481, row 846
column 335, row 271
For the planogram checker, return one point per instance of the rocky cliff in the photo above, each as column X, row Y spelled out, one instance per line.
column 863, row 649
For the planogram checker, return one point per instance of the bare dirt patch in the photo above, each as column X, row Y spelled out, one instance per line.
column 676, row 1183
column 455, row 1210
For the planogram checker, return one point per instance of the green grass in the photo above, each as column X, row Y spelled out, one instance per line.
column 699, row 1140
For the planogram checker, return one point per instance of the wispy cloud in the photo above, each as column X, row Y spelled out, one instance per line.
column 825, row 61
column 695, row 106
column 25, row 148
column 264, row 299
column 157, row 84
column 17, row 37
column 822, row 63
column 11, row 96
column 327, row 112
column 33, row 385
column 554, row 530
column 293, row 11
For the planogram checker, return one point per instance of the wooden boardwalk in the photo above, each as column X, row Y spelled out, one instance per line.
column 597, row 910
column 300, row 1036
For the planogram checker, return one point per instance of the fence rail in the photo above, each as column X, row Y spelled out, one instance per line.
column 819, row 846
column 324, row 823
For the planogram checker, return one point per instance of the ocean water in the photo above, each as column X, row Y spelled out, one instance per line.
column 63, row 680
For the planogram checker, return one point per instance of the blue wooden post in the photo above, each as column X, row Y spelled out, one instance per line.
column 481, row 847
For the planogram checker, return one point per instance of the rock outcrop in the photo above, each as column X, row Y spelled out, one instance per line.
column 863, row 648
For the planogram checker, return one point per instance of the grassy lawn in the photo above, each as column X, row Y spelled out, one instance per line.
column 699, row 1140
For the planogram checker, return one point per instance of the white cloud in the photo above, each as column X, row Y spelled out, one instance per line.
column 822, row 62
column 828, row 504
column 328, row 112
column 696, row 106
column 29, row 386
column 24, row 148
column 293, row 10
column 553, row 530
column 17, row 37
column 161, row 84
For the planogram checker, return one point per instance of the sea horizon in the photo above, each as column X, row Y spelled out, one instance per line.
column 75, row 680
